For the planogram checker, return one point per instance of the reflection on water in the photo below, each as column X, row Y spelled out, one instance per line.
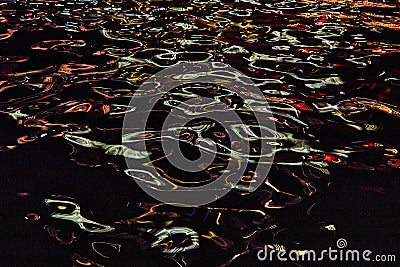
column 329, row 70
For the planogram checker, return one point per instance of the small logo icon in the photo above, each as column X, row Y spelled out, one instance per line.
column 341, row 243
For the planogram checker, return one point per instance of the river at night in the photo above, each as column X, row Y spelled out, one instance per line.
column 329, row 70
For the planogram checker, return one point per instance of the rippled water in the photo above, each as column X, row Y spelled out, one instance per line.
column 331, row 74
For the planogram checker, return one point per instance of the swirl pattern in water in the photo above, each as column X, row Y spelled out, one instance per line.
column 329, row 70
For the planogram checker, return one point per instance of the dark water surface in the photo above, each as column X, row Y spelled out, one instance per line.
column 330, row 71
